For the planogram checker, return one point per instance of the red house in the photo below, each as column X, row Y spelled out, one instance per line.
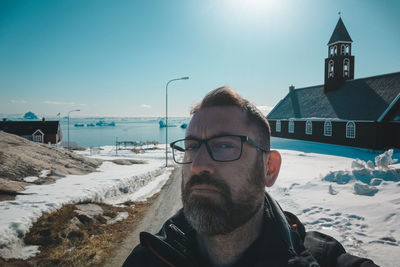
column 345, row 111
column 37, row 131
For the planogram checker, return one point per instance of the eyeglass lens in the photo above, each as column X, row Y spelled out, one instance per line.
column 223, row 148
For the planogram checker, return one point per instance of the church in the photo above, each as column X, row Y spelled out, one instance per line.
column 361, row 112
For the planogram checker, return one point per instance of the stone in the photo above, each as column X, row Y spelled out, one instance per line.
column 84, row 218
column 89, row 209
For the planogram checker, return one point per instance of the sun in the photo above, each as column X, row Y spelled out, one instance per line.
column 256, row 7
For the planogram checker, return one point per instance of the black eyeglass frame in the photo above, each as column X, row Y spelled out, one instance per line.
column 243, row 138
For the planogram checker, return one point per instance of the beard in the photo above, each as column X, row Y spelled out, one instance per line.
column 217, row 217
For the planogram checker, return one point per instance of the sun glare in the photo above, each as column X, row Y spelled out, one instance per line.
column 255, row 9
column 256, row 5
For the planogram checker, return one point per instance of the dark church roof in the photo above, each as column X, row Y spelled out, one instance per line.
column 340, row 33
column 29, row 127
column 360, row 99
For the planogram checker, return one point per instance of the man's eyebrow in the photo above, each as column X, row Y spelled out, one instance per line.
column 212, row 136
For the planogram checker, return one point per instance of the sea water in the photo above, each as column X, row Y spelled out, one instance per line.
column 125, row 129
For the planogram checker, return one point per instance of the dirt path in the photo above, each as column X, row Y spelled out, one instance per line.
column 166, row 205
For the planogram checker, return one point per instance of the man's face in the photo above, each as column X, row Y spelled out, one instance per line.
column 218, row 197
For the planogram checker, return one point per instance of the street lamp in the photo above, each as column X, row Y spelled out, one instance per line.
column 68, row 122
column 166, row 117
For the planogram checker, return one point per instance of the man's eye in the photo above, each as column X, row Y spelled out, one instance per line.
column 224, row 146
column 191, row 147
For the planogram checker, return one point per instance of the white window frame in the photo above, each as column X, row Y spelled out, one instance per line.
column 350, row 130
column 327, row 128
column 346, row 62
column 331, row 68
column 308, row 127
column 38, row 138
column 291, row 126
column 278, row 126
column 347, row 50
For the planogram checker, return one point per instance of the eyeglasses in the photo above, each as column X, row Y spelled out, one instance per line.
column 221, row 148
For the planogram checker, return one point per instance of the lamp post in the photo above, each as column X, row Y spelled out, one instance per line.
column 68, row 122
column 166, row 117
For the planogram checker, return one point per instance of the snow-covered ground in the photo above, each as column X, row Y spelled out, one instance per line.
column 355, row 201
column 111, row 184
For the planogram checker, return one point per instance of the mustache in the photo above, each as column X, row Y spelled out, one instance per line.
column 207, row 179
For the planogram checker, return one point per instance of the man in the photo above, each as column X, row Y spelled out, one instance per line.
column 227, row 218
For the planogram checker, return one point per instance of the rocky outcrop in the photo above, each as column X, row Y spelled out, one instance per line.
column 21, row 158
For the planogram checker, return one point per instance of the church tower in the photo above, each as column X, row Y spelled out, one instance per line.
column 339, row 66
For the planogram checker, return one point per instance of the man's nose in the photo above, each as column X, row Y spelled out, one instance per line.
column 202, row 162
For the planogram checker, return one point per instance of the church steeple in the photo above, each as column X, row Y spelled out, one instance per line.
column 339, row 66
column 340, row 33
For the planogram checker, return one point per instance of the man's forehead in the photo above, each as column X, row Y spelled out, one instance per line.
column 211, row 121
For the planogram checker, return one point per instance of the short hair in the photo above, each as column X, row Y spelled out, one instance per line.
column 227, row 96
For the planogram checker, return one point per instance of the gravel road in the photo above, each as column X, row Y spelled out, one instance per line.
column 166, row 205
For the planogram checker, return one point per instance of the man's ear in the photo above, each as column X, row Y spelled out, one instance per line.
column 272, row 162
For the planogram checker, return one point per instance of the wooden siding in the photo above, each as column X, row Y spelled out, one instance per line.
column 366, row 133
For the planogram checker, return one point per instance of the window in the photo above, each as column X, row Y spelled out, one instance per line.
column 278, row 126
column 342, row 49
column 38, row 138
column 331, row 51
column 350, row 130
column 330, row 69
column 335, row 50
column 347, row 49
column 346, row 67
column 308, row 127
column 328, row 128
column 291, row 126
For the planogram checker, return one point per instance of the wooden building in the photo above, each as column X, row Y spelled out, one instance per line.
column 38, row 131
column 345, row 111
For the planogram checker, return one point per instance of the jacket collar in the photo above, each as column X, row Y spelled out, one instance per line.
column 175, row 244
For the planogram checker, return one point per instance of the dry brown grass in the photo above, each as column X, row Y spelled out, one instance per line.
column 136, row 151
column 79, row 148
column 91, row 245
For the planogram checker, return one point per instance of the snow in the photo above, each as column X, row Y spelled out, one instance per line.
column 349, row 193
column 120, row 216
column 30, row 179
column 333, row 191
column 110, row 183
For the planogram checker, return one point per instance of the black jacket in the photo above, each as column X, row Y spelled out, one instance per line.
column 283, row 242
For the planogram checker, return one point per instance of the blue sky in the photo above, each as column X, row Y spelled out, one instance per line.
column 113, row 58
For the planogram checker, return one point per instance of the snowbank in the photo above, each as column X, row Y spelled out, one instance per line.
column 110, row 183
column 367, row 175
column 355, row 201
